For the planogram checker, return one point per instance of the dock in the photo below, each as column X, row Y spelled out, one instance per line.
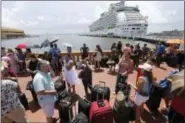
column 147, row 39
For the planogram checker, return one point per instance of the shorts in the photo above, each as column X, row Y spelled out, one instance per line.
column 48, row 109
column 139, row 99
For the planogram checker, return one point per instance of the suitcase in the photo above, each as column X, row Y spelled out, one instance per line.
column 65, row 101
column 23, row 100
column 59, row 84
column 122, row 85
column 80, row 118
column 154, row 100
column 123, row 108
column 98, row 89
column 101, row 112
column 84, row 106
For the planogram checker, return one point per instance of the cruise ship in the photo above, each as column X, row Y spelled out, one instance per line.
column 120, row 21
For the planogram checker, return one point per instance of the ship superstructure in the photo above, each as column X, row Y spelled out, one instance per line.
column 120, row 20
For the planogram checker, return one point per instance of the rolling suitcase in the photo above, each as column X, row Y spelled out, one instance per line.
column 59, row 84
column 99, row 90
column 154, row 100
column 84, row 106
column 23, row 100
column 80, row 118
column 100, row 112
column 123, row 108
column 65, row 101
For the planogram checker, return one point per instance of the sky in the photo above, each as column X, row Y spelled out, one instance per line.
column 57, row 17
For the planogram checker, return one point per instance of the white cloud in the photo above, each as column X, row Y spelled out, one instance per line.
column 40, row 18
column 74, row 16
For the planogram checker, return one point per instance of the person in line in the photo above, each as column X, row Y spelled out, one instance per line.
column 98, row 56
column 119, row 47
column 138, row 54
column 70, row 73
column 127, row 48
column 27, row 53
column 55, row 57
column 114, row 58
column 84, row 51
column 159, row 53
column 142, row 89
column 44, row 87
column 14, row 61
column 3, row 51
column 21, row 59
column 8, row 60
column 11, row 108
column 145, row 52
column 86, row 76
column 32, row 65
column 125, row 67
column 167, row 95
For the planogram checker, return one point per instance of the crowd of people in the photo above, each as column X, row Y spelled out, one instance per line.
column 43, row 69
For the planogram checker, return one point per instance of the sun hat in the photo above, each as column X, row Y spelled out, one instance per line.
column 146, row 67
column 3, row 65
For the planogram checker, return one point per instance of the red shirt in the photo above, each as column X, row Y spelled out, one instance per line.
column 178, row 105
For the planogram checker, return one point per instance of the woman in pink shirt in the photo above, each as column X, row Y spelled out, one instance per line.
column 125, row 68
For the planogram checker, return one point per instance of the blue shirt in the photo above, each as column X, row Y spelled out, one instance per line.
column 161, row 49
column 43, row 81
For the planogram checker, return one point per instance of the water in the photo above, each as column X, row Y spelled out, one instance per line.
column 76, row 40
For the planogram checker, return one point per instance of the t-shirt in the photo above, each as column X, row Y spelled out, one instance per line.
column 43, row 81
column 9, row 97
column 161, row 49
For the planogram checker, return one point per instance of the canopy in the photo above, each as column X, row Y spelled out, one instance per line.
column 175, row 41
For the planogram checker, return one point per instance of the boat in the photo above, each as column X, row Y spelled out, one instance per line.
column 120, row 21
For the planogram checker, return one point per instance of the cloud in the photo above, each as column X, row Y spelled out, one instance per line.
column 76, row 16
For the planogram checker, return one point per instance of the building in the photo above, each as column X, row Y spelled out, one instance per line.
column 8, row 33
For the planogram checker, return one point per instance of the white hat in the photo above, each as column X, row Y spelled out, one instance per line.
column 146, row 67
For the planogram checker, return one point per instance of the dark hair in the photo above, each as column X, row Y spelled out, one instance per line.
column 28, row 49
column 149, row 75
column 33, row 56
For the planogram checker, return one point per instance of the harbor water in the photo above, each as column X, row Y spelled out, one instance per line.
column 76, row 40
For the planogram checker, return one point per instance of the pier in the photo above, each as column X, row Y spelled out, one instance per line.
column 148, row 39
column 9, row 33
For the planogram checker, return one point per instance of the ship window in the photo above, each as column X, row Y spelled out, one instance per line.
column 133, row 28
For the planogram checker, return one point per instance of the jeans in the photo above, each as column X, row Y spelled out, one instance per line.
column 120, row 79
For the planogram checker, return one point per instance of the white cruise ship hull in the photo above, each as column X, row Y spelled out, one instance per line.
column 120, row 21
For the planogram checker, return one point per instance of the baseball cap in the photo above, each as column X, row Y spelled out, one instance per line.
column 146, row 67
